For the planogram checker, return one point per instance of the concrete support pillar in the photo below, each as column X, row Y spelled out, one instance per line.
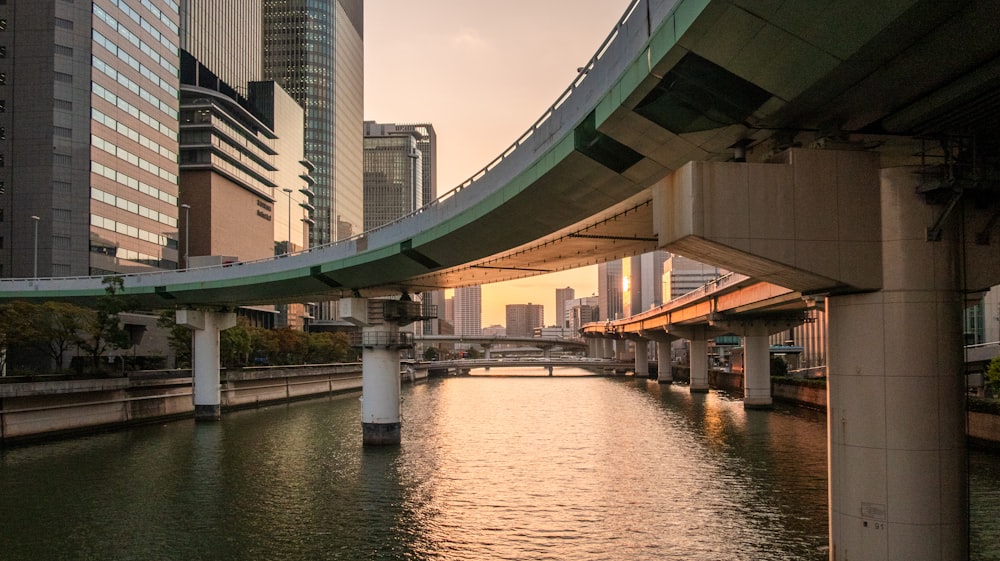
column 547, row 352
column 756, row 368
column 486, row 350
column 641, row 357
column 664, row 368
column 205, row 378
column 608, row 348
column 896, row 397
column 697, row 336
column 380, row 390
column 593, row 347
column 699, row 363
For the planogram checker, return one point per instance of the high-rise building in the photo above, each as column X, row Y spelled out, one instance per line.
column 562, row 295
column 682, row 275
column 206, row 33
column 245, row 185
column 427, row 144
column 468, row 310
column 393, row 174
column 522, row 319
column 609, row 290
column 581, row 311
column 642, row 282
column 315, row 50
column 88, row 137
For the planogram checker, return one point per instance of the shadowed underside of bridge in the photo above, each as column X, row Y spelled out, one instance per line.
column 681, row 81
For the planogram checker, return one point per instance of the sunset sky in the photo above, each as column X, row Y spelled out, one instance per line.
column 482, row 73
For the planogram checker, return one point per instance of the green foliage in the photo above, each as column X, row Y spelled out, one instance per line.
column 431, row 353
column 992, row 375
column 104, row 330
column 325, row 348
column 983, row 405
column 235, row 345
column 778, row 366
column 178, row 337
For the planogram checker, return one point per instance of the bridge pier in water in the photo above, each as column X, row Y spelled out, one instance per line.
column 381, row 341
column 697, row 336
column 756, row 332
column 664, row 367
column 205, row 378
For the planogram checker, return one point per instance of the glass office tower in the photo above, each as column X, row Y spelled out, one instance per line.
column 314, row 49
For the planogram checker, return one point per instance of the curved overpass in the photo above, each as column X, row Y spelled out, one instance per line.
column 676, row 81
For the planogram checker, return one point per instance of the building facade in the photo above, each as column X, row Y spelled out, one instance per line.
column 393, row 177
column 609, row 290
column 88, row 137
column 314, row 49
column 523, row 319
column 562, row 311
column 468, row 311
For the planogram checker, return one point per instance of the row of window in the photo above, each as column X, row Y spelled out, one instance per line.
column 132, row 183
column 126, row 254
column 148, row 27
column 127, row 230
column 132, row 110
column 124, row 80
column 126, row 156
column 133, row 135
column 124, row 56
column 133, row 207
column 136, row 42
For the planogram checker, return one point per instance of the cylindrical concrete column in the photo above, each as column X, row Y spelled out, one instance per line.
column 756, row 367
column 205, row 378
column 699, row 364
column 896, row 397
column 641, row 358
column 664, row 369
column 380, row 393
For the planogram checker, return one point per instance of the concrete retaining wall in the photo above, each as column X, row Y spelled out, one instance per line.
column 36, row 409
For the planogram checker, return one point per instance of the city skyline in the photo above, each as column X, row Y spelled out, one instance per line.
column 486, row 73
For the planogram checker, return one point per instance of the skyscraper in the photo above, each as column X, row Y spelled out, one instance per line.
column 562, row 295
column 468, row 305
column 427, row 144
column 88, row 137
column 393, row 174
column 315, row 50
column 609, row 290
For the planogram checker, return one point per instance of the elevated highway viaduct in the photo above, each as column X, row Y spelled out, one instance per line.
column 846, row 151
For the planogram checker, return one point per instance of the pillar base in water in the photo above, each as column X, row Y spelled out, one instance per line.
column 208, row 412
column 758, row 403
column 380, row 434
column 665, row 381
column 698, row 389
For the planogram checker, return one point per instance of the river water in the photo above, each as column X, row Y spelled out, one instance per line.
column 512, row 467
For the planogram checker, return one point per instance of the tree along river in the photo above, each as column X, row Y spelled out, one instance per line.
column 504, row 467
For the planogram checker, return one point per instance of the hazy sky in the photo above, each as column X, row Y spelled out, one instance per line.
column 482, row 72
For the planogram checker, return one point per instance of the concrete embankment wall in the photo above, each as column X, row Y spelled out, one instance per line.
column 982, row 428
column 35, row 409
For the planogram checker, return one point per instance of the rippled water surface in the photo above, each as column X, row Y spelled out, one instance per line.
column 489, row 468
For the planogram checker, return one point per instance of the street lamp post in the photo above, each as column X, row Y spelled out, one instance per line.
column 187, row 234
column 288, row 192
column 36, row 219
